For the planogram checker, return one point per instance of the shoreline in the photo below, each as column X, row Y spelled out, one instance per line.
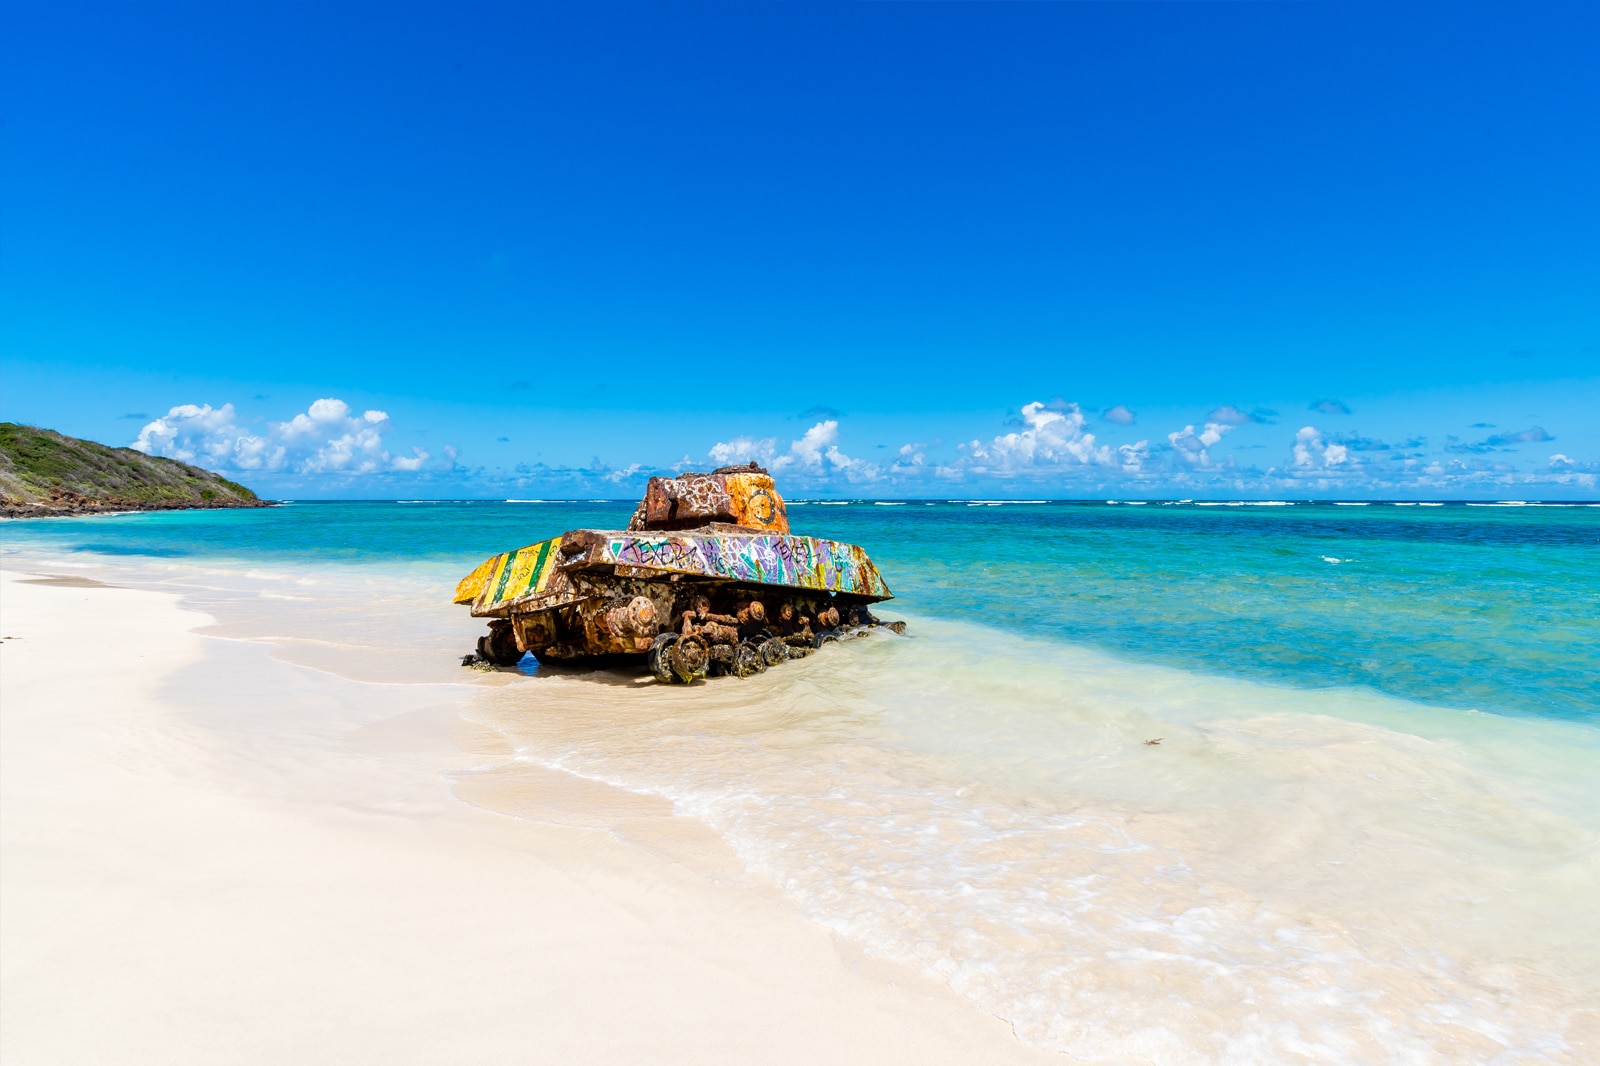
column 213, row 855
column 1278, row 835
column 12, row 509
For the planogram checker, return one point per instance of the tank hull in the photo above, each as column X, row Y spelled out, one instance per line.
column 541, row 576
column 599, row 597
column 706, row 579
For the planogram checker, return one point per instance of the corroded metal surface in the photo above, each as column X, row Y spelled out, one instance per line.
column 740, row 496
column 706, row 580
column 536, row 576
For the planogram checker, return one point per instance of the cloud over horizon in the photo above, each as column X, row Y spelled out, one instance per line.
column 1053, row 437
column 1311, row 453
column 1194, row 448
column 1503, row 442
column 1051, row 446
column 327, row 438
column 815, row 454
column 1047, row 447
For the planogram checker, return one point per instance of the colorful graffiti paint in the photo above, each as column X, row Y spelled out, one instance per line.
column 800, row 562
column 536, row 576
column 742, row 498
column 511, row 576
column 726, row 526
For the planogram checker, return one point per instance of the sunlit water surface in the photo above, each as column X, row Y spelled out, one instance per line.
column 1368, row 833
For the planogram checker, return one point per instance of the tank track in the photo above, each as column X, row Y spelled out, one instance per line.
column 680, row 633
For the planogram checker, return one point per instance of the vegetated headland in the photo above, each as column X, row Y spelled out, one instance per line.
column 44, row 473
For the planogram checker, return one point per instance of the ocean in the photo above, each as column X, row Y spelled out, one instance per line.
column 1368, row 831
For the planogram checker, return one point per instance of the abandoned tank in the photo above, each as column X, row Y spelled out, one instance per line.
column 706, row 580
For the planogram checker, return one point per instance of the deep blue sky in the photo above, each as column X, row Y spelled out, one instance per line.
column 618, row 236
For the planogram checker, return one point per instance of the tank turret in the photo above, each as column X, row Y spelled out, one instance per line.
column 742, row 496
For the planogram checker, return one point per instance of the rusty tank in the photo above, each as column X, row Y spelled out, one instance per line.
column 706, row 581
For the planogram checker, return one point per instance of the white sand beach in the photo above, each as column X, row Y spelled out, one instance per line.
column 208, row 855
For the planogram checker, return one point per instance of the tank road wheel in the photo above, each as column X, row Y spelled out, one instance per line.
column 721, row 660
column 747, row 661
column 660, row 658
column 499, row 647
column 690, row 658
column 774, row 651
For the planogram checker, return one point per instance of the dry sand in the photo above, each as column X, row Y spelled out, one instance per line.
column 210, row 856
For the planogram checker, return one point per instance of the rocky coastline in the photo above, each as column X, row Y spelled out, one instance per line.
column 45, row 474
column 64, row 504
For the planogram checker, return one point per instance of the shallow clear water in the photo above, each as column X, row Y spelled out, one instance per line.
column 1485, row 607
column 1371, row 830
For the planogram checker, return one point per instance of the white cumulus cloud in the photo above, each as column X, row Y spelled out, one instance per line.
column 741, row 450
column 413, row 461
column 211, row 436
column 1133, row 457
column 328, row 437
column 815, row 455
column 1312, row 453
column 817, row 452
column 910, row 456
column 623, row 474
column 1193, row 448
column 1051, row 437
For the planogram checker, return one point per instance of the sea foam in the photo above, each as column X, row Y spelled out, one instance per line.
column 1328, row 877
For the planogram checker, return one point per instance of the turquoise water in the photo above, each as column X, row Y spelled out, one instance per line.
column 1494, row 609
column 1370, row 831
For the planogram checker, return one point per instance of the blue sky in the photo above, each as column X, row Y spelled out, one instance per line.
column 955, row 249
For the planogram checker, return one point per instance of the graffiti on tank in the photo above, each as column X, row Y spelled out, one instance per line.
column 669, row 554
column 804, row 562
column 746, row 498
column 516, row 575
column 698, row 553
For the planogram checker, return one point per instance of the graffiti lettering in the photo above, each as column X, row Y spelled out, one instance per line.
column 805, row 562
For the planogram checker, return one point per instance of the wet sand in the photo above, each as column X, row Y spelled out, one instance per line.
column 210, row 855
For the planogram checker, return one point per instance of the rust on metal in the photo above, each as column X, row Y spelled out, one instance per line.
column 743, row 496
column 706, row 580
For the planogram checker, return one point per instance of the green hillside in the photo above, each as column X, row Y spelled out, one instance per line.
column 43, row 472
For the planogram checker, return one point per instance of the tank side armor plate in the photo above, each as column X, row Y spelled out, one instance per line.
column 535, row 578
